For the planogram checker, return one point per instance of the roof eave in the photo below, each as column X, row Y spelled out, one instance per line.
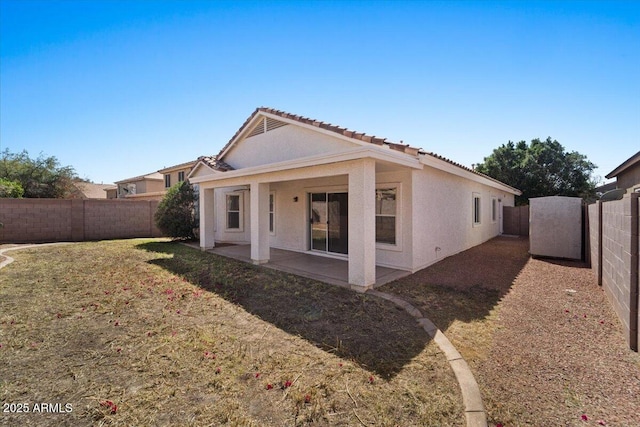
column 446, row 165
column 624, row 166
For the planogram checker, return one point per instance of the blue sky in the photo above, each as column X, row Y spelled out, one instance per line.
column 121, row 88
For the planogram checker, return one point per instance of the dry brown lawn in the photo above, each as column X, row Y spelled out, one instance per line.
column 141, row 332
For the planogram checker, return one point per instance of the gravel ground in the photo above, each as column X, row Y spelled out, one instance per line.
column 542, row 340
column 559, row 354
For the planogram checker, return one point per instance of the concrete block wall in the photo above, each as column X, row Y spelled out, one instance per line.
column 595, row 239
column 618, row 258
column 119, row 220
column 56, row 220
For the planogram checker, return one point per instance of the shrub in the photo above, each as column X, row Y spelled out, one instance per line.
column 11, row 189
column 175, row 216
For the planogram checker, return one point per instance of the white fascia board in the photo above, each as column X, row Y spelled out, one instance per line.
column 355, row 154
column 455, row 170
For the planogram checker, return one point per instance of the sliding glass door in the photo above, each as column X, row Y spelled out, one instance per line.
column 329, row 222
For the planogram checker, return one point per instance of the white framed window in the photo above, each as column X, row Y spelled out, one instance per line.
column 494, row 209
column 386, row 215
column 272, row 213
column 180, row 176
column 234, row 217
column 167, row 180
column 477, row 209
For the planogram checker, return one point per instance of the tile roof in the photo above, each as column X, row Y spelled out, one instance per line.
column 150, row 176
column 90, row 190
column 214, row 163
column 327, row 126
column 179, row 166
column 361, row 136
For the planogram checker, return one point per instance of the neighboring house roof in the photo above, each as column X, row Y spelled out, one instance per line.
column 185, row 165
column 247, row 127
column 631, row 161
column 89, row 190
column 151, row 176
column 606, row 187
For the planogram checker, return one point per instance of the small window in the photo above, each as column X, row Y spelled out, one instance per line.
column 234, row 213
column 386, row 215
column 272, row 211
column 181, row 176
column 167, row 180
column 476, row 209
column 494, row 209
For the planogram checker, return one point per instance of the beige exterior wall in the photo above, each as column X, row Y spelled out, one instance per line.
column 54, row 220
column 150, row 186
column 443, row 215
column 429, row 215
column 281, row 144
column 629, row 179
column 174, row 176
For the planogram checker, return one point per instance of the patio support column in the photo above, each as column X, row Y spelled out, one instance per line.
column 207, row 218
column 362, row 225
column 259, row 223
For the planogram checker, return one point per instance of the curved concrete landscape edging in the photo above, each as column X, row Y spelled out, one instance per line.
column 472, row 399
column 9, row 260
column 473, row 407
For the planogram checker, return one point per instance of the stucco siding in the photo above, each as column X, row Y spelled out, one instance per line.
column 398, row 256
column 281, row 144
column 291, row 222
column 222, row 233
column 630, row 179
column 443, row 222
column 292, row 218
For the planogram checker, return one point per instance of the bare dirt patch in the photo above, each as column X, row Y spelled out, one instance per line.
column 540, row 336
column 145, row 332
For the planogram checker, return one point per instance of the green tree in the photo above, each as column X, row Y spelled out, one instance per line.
column 541, row 168
column 42, row 177
column 11, row 189
column 175, row 215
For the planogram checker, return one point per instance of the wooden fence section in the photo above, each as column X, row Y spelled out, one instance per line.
column 58, row 220
column 515, row 220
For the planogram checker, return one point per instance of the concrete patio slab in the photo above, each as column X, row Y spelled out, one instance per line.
column 334, row 271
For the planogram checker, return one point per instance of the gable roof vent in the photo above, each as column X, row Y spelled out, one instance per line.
column 265, row 125
column 257, row 130
column 273, row 124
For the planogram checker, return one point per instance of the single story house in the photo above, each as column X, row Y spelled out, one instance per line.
column 290, row 182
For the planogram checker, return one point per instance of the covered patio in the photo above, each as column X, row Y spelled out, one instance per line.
column 324, row 269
